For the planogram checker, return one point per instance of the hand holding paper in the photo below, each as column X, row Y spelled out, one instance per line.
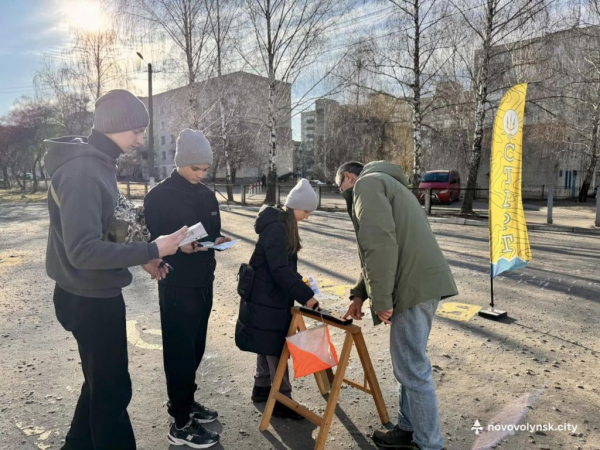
column 193, row 234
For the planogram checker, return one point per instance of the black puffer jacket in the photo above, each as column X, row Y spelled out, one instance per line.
column 265, row 316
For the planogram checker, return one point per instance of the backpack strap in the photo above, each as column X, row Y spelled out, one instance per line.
column 54, row 195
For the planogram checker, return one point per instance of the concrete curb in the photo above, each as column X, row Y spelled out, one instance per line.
column 530, row 226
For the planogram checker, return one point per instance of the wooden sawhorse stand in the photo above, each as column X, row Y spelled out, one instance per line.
column 326, row 380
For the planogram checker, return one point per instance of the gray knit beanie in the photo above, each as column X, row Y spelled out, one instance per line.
column 193, row 149
column 303, row 197
column 119, row 110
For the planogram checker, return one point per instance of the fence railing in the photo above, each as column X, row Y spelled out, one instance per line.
column 253, row 192
column 434, row 201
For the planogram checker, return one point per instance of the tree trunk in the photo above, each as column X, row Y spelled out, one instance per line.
column 475, row 157
column 416, row 103
column 193, row 105
column 6, row 177
column 589, row 174
column 270, row 198
column 34, row 188
column 382, row 138
column 43, row 172
column 482, row 87
column 16, row 177
column 228, row 177
column 417, row 143
column 215, row 167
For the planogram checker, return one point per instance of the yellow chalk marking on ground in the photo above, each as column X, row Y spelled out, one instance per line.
column 154, row 332
column 45, row 435
column 134, row 338
column 7, row 260
column 462, row 312
column 327, row 285
column 36, row 431
column 30, row 430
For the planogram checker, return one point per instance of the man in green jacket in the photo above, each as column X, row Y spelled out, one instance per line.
column 405, row 275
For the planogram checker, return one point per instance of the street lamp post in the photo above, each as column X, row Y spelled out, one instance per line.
column 151, row 127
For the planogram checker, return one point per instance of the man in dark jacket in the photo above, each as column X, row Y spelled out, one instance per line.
column 186, row 294
column 405, row 275
column 88, row 256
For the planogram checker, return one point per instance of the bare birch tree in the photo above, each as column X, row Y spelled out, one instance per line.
column 287, row 35
column 410, row 61
column 490, row 23
column 591, row 90
column 221, row 16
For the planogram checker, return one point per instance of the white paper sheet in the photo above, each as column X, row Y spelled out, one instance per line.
column 225, row 245
column 194, row 233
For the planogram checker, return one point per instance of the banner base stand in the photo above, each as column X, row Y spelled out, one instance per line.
column 492, row 314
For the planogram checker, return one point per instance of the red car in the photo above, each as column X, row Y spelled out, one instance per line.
column 444, row 185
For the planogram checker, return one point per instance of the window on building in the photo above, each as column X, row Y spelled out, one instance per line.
column 162, row 110
column 172, row 139
column 173, row 154
column 310, row 120
column 162, row 140
column 164, row 172
column 164, row 156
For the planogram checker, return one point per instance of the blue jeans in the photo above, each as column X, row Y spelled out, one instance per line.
column 418, row 401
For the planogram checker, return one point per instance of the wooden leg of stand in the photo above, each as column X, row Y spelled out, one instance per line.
column 335, row 393
column 370, row 376
column 323, row 382
column 279, row 374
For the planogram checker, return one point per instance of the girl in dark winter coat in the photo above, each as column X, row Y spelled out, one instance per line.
column 265, row 316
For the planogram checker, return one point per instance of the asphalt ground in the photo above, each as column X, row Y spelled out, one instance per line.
column 537, row 369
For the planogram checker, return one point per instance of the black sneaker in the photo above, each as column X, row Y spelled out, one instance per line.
column 193, row 435
column 395, row 438
column 260, row 394
column 203, row 414
column 284, row 412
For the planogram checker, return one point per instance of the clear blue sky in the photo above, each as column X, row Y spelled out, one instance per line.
column 28, row 28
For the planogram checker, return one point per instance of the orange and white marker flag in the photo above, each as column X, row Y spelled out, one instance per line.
column 312, row 351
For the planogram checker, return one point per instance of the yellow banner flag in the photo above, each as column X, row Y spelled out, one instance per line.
column 509, row 242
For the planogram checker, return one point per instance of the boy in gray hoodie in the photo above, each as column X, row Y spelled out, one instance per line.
column 95, row 235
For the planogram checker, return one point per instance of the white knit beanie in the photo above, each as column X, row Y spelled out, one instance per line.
column 303, row 197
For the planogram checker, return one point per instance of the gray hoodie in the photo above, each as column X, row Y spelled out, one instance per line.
column 79, row 258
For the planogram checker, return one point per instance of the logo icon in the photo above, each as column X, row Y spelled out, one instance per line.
column 511, row 122
column 477, row 428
